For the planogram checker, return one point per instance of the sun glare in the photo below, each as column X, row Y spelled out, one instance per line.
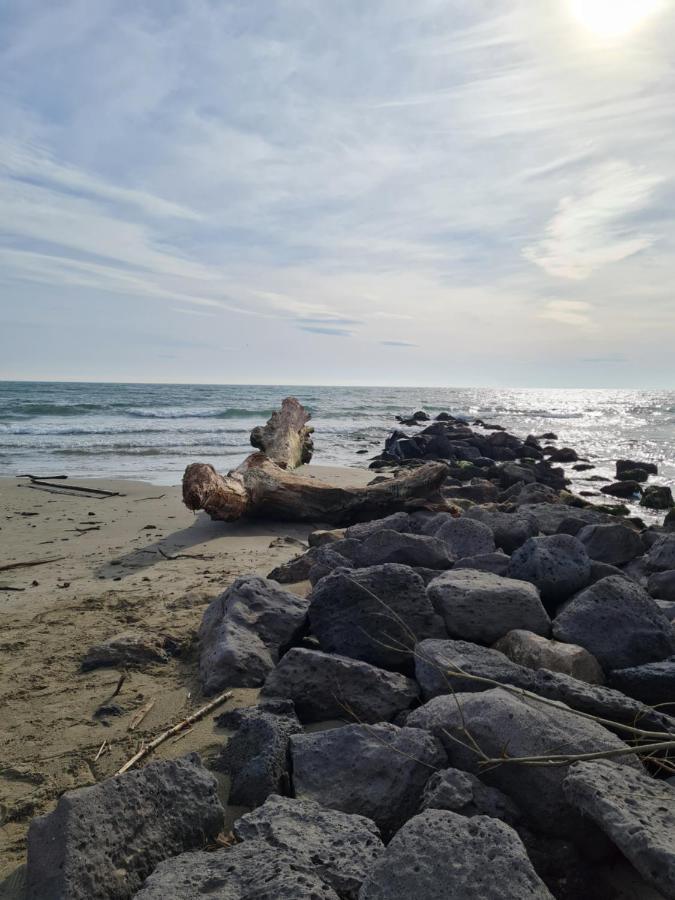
column 613, row 18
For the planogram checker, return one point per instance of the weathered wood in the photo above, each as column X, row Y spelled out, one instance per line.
column 286, row 439
column 259, row 488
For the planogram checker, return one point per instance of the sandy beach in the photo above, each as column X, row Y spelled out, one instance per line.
column 108, row 576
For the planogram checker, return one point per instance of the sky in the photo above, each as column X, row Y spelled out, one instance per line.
column 444, row 192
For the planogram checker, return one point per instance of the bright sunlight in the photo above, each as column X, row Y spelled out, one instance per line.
column 613, row 18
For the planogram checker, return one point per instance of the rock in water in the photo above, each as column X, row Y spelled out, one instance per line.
column 244, row 630
column 618, row 622
column 440, row 855
column 377, row 771
column 637, row 812
column 256, row 757
column 342, row 847
column 328, row 686
column 354, row 613
column 537, row 652
column 480, row 606
column 101, row 842
column 246, row 871
column 557, row 564
column 613, row 544
column 657, row 496
column 497, row 719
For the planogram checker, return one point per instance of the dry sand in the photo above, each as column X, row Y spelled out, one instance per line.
column 110, row 577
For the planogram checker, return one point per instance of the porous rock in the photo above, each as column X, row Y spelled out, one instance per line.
column 356, row 613
column 101, row 842
column 558, row 565
column 510, row 530
column 440, row 855
column 480, row 606
column 399, row 521
column 329, row 686
column 497, row 720
column 652, row 683
column 614, row 544
column 463, row 793
column 637, row 812
column 537, row 652
column 618, row 622
column 244, row 631
column 661, row 585
column 661, row 555
column 256, row 757
column 377, row 771
column 466, row 537
column 497, row 563
column 657, row 496
column 342, row 847
column 252, row 869
column 407, row 549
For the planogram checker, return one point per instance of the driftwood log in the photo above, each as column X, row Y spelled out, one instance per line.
column 286, row 439
column 264, row 486
column 259, row 488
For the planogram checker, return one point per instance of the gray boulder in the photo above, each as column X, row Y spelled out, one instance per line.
column 440, row 855
column 657, row 496
column 466, row 537
column 406, row 549
column 537, row 652
column 480, row 606
column 328, row 686
column 637, row 812
column 244, row 631
column 652, row 683
column 369, row 613
column 463, row 793
column 498, row 722
column 256, row 757
column 326, row 562
column 510, row 530
column 497, row 563
column 618, row 622
column 628, row 465
column 253, row 870
column 399, row 521
column 661, row 555
column 558, row 565
column 102, row 842
column 661, row 585
column 342, row 847
column 377, row 771
column 613, row 544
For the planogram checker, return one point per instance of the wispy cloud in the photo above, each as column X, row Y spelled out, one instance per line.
column 568, row 312
column 398, row 344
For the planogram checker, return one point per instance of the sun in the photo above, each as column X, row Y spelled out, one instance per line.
column 613, row 18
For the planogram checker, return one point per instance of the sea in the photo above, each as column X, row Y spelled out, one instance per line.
column 152, row 431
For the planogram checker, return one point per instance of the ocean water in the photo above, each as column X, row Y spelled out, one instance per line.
column 152, row 431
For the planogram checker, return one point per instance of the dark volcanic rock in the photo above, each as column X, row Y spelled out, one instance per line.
column 661, row 555
column 661, row 585
column 556, row 564
column 465, row 794
column 466, row 537
column 637, row 812
column 399, row 521
column 350, row 613
column 480, row 606
column 244, row 631
column 511, row 530
column 253, row 869
column 440, row 855
column 657, row 496
column 406, row 549
column 625, row 489
column 256, row 757
column 653, row 683
column 101, row 842
column 377, row 771
column 497, row 719
column 623, row 465
column 563, row 455
column 341, row 847
column 618, row 622
column 326, row 562
column 496, row 562
column 613, row 544
column 327, row 686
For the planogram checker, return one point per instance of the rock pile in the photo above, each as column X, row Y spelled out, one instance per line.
column 478, row 683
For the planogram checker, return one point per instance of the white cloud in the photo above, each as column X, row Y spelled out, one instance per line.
column 591, row 227
column 568, row 312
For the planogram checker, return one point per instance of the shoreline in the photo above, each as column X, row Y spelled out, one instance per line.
column 108, row 577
